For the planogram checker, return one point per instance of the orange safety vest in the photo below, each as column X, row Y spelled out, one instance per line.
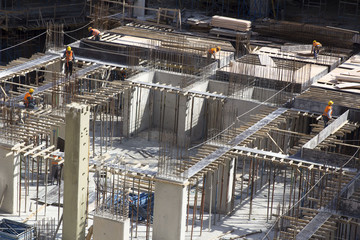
column 54, row 162
column 328, row 111
column 95, row 32
column 213, row 50
column 317, row 44
column 26, row 101
column 69, row 56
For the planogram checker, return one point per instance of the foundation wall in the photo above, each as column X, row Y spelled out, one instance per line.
column 196, row 121
column 139, row 105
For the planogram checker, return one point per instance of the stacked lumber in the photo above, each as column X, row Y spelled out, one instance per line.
column 349, row 79
column 199, row 22
column 231, row 23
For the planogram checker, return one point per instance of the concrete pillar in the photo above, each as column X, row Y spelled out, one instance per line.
column 218, row 180
column 76, row 171
column 139, row 10
column 108, row 228
column 9, row 180
column 169, row 211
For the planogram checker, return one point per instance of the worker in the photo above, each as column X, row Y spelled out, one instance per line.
column 69, row 58
column 28, row 99
column 56, row 167
column 95, row 33
column 327, row 115
column 316, row 48
column 122, row 74
column 212, row 51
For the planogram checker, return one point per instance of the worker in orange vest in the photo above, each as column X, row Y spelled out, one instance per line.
column 327, row 115
column 69, row 58
column 28, row 99
column 212, row 51
column 122, row 74
column 56, row 167
column 316, row 48
column 94, row 32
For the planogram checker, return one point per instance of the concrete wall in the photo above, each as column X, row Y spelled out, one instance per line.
column 219, row 87
column 106, row 228
column 234, row 107
column 139, row 103
column 197, row 121
column 9, row 176
column 174, row 79
column 237, row 107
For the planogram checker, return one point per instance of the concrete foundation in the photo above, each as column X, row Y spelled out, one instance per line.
column 107, row 228
column 9, row 180
column 169, row 211
column 76, row 171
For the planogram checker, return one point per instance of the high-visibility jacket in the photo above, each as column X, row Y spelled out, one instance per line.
column 27, row 97
column 328, row 111
column 213, row 50
column 69, row 56
column 317, row 44
column 95, row 32
column 56, row 162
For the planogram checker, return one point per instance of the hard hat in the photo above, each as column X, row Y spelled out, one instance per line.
column 330, row 102
column 31, row 90
column 218, row 48
column 89, row 28
column 314, row 41
column 68, row 48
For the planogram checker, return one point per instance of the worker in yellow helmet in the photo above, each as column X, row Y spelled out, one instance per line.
column 327, row 115
column 56, row 169
column 69, row 57
column 212, row 51
column 123, row 74
column 316, row 48
column 95, row 33
column 29, row 100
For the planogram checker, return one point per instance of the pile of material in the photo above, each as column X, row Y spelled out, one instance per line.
column 231, row 23
column 350, row 78
column 201, row 22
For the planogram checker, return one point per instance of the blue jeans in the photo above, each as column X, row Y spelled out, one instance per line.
column 326, row 120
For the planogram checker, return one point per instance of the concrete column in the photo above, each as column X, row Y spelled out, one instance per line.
column 224, row 196
column 140, row 11
column 169, row 211
column 76, row 171
column 9, row 180
column 108, row 228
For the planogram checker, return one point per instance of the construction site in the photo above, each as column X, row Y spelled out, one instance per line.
column 153, row 136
